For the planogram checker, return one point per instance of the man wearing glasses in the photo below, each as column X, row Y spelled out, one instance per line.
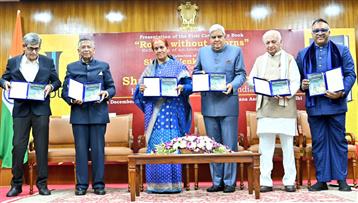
column 221, row 109
column 327, row 113
column 27, row 114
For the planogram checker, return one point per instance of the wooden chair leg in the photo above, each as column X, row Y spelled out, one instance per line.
column 242, row 176
column 31, row 177
column 298, row 173
column 196, row 184
column 301, row 171
column 354, row 167
column 187, row 182
column 141, row 178
column 137, row 186
column 308, row 172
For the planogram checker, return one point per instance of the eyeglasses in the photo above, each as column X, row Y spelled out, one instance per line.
column 216, row 36
column 322, row 30
column 160, row 47
column 31, row 49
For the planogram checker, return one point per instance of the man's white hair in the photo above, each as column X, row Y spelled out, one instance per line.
column 216, row 27
column 273, row 33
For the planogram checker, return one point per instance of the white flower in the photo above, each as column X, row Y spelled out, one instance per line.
column 209, row 146
column 182, row 144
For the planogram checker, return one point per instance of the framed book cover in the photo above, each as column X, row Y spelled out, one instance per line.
column 36, row 91
column 27, row 91
column 209, row 82
column 317, row 84
column 160, row 87
column 168, row 87
column 85, row 92
column 91, row 92
column 320, row 83
column 280, row 87
column 217, row 82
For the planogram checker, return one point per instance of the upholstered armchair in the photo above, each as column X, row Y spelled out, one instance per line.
column 304, row 129
column 253, row 144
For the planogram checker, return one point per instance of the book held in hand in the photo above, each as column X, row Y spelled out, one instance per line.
column 160, row 87
column 27, row 90
column 320, row 83
column 85, row 92
column 280, row 87
column 209, row 82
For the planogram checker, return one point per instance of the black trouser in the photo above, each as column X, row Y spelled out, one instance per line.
column 40, row 131
column 89, row 136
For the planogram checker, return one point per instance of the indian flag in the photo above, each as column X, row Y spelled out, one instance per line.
column 6, row 131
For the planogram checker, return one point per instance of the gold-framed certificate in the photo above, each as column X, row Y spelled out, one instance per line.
column 280, row 87
column 26, row 90
column 209, row 82
column 85, row 92
column 160, row 87
column 320, row 83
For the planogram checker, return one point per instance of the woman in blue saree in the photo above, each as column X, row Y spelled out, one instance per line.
column 165, row 118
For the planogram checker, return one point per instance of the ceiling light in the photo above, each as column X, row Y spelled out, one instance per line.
column 259, row 12
column 333, row 10
column 114, row 17
column 43, row 17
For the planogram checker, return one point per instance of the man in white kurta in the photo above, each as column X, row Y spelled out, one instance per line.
column 276, row 115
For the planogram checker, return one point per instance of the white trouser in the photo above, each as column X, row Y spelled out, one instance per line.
column 267, row 148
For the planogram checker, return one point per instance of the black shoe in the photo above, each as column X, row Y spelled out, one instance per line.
column 290, row 188
column 266, row 189
column 215, row 188
column 343, row 186
column 99, row 191
column 80, row 191
column 44, row 191
column 229, row 189
column 318, row 187
column 14, row 191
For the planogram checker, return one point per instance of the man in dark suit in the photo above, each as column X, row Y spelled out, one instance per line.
column 327, row 113
column 89, row 119
column 27, row 114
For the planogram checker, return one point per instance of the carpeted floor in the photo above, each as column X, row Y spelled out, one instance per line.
column 119, row 193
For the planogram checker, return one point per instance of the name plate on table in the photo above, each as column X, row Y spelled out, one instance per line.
column 25, row 90
column 320, row 83
column 160, row 87
column 84, row 92
column 209, row 82
column 272, row 88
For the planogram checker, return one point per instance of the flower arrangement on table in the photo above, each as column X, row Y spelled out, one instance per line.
column 191, row 144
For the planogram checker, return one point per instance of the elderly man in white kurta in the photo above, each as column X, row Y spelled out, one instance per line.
column 276, row 115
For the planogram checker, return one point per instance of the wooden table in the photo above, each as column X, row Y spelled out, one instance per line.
column 252, row 159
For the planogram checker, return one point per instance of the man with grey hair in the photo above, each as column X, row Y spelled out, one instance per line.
column 33, row 68
column 276, row 115
column 221, row 109
column 89, row 119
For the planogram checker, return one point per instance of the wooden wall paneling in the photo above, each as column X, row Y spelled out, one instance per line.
column 70, row 16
